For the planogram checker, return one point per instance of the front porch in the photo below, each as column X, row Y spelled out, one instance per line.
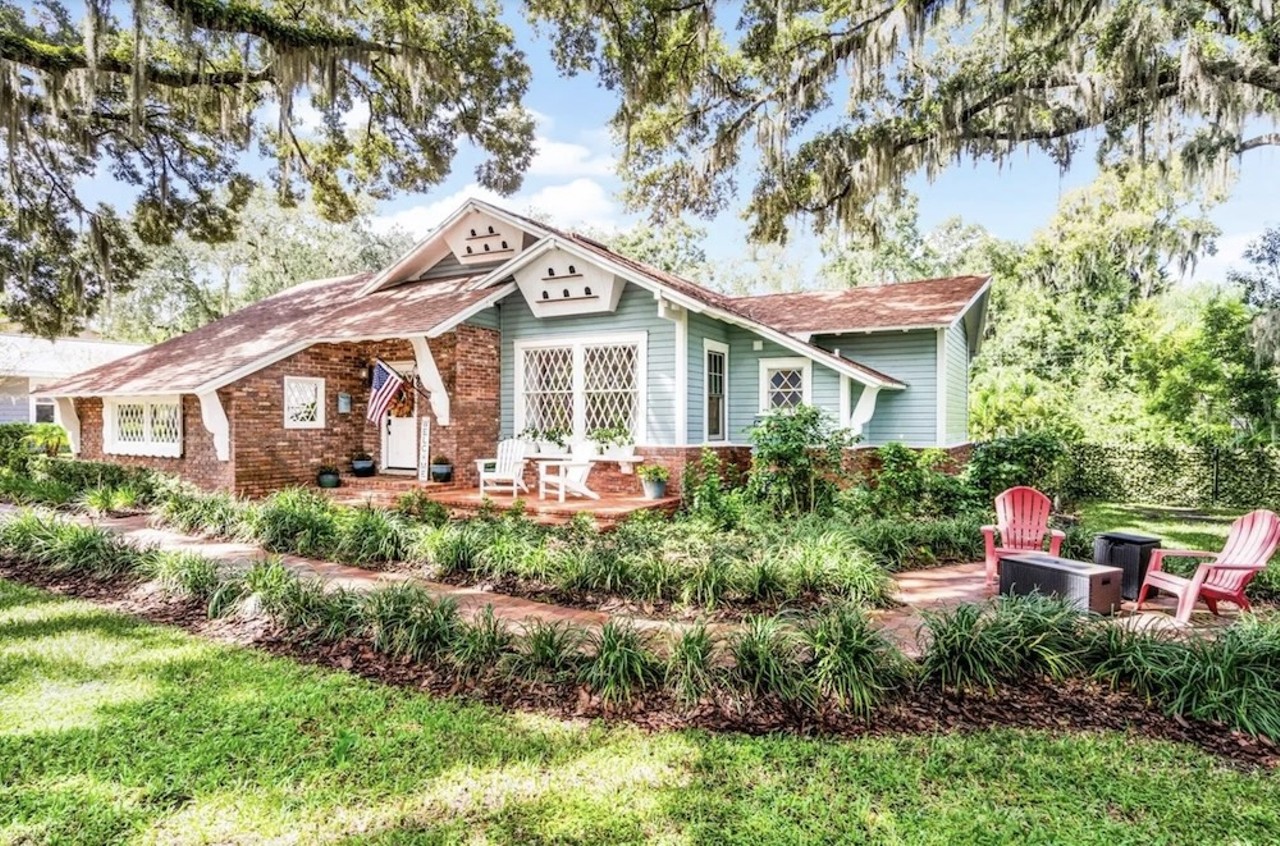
column 382, row 492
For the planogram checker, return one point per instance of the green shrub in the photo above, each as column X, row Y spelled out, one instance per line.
column 80, row 475
column 15, row 450
column 797, row 458
column 707, row 491
column 915, row 543
column 24, row 490
column 482, row 643
column 298, row 521
column 761, row 579
column 594, row 569
column 850, row 663
column 408, row 622
column 418, row 506
column 269, row 580
column 707, row 582
column 1039, row 460
column 367, row 536
column 691, row 669
column 72, row 548
column 27, row 532
column 618, row 662
column 909, row 482
column 97, row 501
column 767, row 661
column 831, row 562
column 181, row 573
column 963, row 651
column 546, row 651
column 455, row 549
column 507, row 551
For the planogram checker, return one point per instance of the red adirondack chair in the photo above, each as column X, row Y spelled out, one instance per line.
column 1250, row 545
column 1022, row 521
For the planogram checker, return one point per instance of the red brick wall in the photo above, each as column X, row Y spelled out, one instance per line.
column 607, row 476
column 198, row 463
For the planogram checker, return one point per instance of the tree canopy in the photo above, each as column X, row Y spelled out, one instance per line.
column 175, row 101
column 835, row 104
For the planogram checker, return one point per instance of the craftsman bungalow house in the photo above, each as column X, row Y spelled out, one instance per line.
column 511, row 325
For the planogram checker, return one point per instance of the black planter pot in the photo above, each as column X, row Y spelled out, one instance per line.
column 328, row 480
column 442, row 472
column 363, row 467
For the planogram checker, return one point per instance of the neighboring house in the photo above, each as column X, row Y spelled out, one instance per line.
column 510, row 324
column 28, row 363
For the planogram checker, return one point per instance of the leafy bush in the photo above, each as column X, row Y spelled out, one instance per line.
column 618, row 662
column 298, row 521
column 408, row 622
column 852, row 664
column 707, row 493
column 691, row 670
column 82, row 475
column 909, row 482
column 767, row 661
column 545, row 651
column 418, row 506
column 914, row 543
column 15, row 450
column 1039, row 460
column 24, row 490
column 49, row 439
column 797, row 460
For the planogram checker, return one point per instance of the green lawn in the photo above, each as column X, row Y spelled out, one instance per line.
column 1179, row 528
column 113, row 730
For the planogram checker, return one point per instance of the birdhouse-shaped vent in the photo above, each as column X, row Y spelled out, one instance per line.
column 559, row 284
column 480, row 238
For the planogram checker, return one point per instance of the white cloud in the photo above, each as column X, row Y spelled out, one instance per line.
column 562, row 158
column 1230, row 255
column 581, row 202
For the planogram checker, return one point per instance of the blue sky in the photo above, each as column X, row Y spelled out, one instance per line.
column 572, row 179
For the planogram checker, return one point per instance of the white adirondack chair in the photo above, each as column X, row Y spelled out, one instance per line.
column 507, row 470
column 569, row 475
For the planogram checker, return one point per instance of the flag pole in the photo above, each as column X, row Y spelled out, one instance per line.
column 414, row 383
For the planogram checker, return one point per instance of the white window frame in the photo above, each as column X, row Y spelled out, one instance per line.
column 37, row 402
column 578, row 342
column 804, row 365
column 111, row 445
column 321, row 401
column 710, row 346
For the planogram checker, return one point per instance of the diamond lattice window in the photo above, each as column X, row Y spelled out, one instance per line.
column 143, row 427
column 784, row 383
column 580, row 386
column 611, row 387
column 303, row 403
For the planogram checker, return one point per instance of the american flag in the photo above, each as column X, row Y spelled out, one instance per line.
column 386, row 384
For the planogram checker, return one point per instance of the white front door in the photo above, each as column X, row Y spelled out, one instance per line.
column 400, row 443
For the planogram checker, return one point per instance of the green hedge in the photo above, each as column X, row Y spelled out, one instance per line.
column 1185, row 476
column 14, row 452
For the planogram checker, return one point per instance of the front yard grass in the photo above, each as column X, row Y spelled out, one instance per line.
column 114, row 730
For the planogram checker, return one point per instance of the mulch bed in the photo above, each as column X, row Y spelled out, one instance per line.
column 1071, row 706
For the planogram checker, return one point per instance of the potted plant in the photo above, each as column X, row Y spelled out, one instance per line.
column 441, row 469
column 614, row 441
column 532, row 435
column 654, row 478
column 327, row 476
column 554, row 441
column 362, row 464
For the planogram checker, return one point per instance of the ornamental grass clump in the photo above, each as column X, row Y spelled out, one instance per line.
column 618, row 662
column 691, row 673
column 1231, row 676
column 369, row 536
column 594, row 569
column 183, row 574
column 964, row 652
column 482, row 643
column 545, row 651
column 298, row 521
column 72, row 548
column 767, row 662
column 851, row 664
column 406, row 621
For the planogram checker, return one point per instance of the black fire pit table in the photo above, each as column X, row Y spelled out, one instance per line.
column 1131, row 553
column 1089, row 587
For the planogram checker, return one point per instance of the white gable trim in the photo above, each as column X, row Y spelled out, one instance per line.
column 436, row 238
column 694, row 305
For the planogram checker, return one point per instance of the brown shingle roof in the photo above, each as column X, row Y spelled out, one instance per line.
column 927, row 303
column 312, row 312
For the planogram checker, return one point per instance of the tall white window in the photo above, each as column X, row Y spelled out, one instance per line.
column 149, row 426
column 784, row 383
column 581, row 385
column 303, row 403
column 715, row 394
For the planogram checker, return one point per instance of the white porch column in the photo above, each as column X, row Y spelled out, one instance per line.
column 865, row 407
column 64, row 414
column 214, row 418
column 430, row 376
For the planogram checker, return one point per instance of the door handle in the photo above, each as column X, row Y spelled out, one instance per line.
column 388, row 424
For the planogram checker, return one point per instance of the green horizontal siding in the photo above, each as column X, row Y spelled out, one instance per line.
column 701, row 328
column 744, row 381
column 488, row 318
column 637, row 312
column 909, row 416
